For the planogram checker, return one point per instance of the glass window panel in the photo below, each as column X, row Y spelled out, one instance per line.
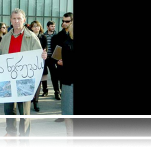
column 6, row 7
column 40, row 7
column 29, row 6
column 70, row 6
column 15, row 4
column 23, row 5
column 60, row 28
column 31, row 19
column 45, row 23
column 48, row 7
column 0, row 7
column 32, row 7
column 55, row 8
column 6, row 20
column 56, row 20
column 40, row 19
column 63, row 6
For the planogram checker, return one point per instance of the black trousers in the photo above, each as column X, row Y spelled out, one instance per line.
column 54, row 73
column 44, row 86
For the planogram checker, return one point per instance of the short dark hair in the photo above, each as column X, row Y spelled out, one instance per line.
column 50, row 23
column 69, row 14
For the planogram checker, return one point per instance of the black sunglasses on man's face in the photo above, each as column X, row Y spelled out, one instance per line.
column 66, row 21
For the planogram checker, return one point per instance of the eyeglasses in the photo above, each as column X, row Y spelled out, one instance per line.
column 66, row 21
column 36, row 26
column 3, row 27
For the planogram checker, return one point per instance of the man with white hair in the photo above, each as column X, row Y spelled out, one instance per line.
column 19, row 39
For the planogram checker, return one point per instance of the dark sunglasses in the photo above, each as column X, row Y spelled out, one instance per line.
column 66, row 21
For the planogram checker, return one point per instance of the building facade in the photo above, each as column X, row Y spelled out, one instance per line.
column 40, row 10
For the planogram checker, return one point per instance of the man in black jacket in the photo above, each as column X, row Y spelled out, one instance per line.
column 61, row 37
column 68, row 70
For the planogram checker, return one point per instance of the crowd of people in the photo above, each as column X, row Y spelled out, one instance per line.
column 61, row 71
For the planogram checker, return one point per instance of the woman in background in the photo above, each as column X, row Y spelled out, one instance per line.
column 36, row 27
column 3, row 30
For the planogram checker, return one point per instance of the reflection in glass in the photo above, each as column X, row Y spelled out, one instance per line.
column 22, row 143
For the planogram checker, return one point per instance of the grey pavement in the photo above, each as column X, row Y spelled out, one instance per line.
column 41, row 126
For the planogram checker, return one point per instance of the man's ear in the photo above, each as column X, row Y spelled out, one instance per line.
column 24, row 20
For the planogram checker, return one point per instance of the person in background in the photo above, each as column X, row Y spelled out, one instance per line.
column 3, row 30
column 67, row 63
column 27, row 25
column 50, row 62
column 9, row 28
column 60, row 38
column 37, row 28
column 19, row 39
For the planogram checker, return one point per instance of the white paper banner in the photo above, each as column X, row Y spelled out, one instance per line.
column 20, row 75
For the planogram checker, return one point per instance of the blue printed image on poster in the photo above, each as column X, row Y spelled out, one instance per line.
column 25, row 87
column 5, row 89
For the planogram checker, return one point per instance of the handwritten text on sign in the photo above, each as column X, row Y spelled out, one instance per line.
column 20, row 75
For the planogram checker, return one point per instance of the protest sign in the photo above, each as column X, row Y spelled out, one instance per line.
column 20, row 75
